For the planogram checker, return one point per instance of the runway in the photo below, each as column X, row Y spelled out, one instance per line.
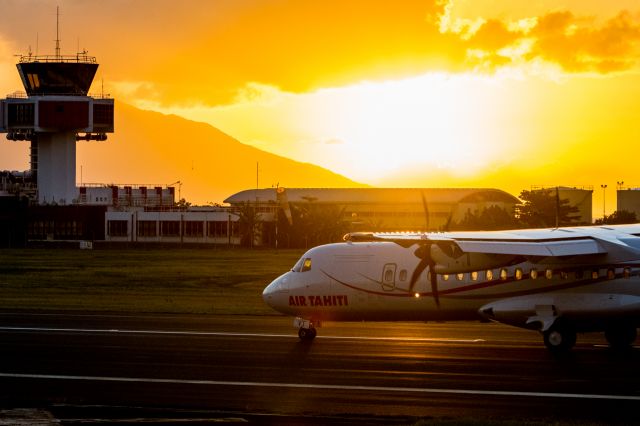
column 256, row 368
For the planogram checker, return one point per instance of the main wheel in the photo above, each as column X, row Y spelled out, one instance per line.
column 307, row 333
column 620, row 336
column 560, row 337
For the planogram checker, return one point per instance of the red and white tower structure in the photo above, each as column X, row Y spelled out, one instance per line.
column 54, row 113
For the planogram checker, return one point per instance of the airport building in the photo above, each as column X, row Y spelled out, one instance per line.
column 578, row 196
column 629, row 200
column 378, row 209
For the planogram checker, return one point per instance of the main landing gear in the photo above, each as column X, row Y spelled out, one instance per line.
column 560, row 337
column 306, row 329
column 620, row 335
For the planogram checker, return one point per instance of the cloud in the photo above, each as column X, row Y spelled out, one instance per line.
column 577, row 44
column 564, row 39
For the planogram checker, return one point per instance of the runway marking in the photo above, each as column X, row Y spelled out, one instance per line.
column 233, row 334
column 475, row 392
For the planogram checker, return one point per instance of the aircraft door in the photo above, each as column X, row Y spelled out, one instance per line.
column 389, row 277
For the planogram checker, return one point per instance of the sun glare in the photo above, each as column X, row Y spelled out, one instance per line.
column 435, row 120
column 369, row 130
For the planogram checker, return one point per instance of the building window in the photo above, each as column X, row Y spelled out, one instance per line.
column 39, row 229
column 170, row 228
column 147, row 228
column 117, row 228
column 217, row 229
column 235, row 229
column 193, row 229
column 68, row 230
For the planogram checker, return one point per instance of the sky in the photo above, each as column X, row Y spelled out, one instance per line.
column 431, row 93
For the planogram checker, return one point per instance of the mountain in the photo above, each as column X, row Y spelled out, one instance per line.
column 157, row 149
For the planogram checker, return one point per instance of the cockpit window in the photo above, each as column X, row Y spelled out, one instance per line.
column 306, row 265
column 302, row 265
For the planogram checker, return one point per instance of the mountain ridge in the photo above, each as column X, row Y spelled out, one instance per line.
column 206, row 164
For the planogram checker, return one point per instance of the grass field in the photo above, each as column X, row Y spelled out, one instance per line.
column 217, row 281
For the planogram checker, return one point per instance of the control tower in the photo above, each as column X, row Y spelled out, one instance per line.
column 54, row 113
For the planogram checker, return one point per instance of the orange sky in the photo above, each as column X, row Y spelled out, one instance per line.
column 506, row 93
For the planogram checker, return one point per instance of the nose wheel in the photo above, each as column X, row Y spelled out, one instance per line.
column 306, row 329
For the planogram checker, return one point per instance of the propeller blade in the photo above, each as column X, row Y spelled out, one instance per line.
column 422, row 265
column 433, row 277
column 424, row 254
column 426, row 211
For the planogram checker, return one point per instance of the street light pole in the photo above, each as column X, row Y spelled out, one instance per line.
column 604, row 205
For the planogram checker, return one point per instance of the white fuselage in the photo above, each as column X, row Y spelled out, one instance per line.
column 372, row 281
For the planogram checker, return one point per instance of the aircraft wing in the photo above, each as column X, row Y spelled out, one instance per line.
column 557, row 242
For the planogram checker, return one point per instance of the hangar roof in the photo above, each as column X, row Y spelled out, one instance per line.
column 374, row 195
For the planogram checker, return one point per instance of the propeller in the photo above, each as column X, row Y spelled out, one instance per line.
column 423, row 252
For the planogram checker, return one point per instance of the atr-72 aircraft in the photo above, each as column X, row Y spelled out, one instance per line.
column 558, row 281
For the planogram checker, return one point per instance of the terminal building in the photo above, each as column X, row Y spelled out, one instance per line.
column 629, row 199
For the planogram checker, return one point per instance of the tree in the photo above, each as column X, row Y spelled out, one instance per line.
column 250, row 223
column 618, row 217
column 182, row 203
column 490, row 218
column 544, row 209
column 313, row 224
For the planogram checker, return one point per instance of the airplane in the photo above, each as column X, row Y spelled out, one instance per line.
column 559, row 281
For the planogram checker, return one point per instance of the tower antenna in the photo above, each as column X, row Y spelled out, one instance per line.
column 58, row 32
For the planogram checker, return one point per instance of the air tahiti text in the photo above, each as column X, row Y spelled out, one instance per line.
column 332, row 300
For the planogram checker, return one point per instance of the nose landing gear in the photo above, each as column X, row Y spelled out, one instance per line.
column 306, row 329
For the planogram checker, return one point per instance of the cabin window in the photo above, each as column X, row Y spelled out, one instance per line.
column 594, row 274
column 626, row 272
column 389, row 277
column 579, row 274
column 533, row 274
column 548, row 274
column 460, row 277
column 503, row 274
column 611, row 274
column 403, row 275
column 489, row 274
column 518, row 273
column 445, row 277
column 474, row 276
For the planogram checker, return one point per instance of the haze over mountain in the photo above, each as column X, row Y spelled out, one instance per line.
column 153, row 148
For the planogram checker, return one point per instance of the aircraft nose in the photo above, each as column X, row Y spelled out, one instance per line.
column 267, row 293
column 272, row 294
